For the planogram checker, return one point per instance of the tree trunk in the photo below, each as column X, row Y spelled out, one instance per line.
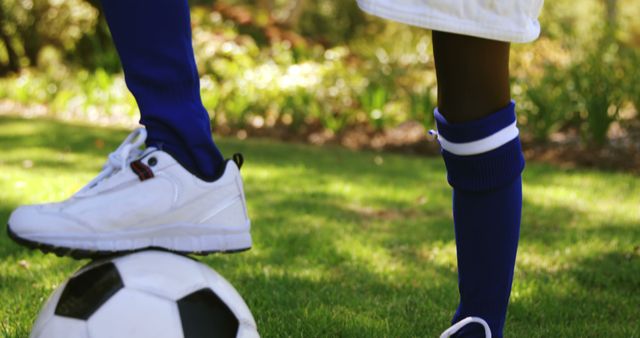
column 295, row 14
column 13, row 64
column 611, row 13
column 265, row 5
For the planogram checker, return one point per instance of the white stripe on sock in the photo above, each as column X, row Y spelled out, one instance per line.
column 480, row 146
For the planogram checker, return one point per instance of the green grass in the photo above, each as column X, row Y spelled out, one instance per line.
column 357, row 244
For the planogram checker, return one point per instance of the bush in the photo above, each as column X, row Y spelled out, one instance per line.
column 27, row 27
column 301, row 69
column 551, row 105
column 599, row 84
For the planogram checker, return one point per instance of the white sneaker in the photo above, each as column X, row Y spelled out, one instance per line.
column 459, row 325
column 141, row 199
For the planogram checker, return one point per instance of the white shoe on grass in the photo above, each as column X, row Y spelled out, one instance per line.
column 141, row 199
column 466, row 321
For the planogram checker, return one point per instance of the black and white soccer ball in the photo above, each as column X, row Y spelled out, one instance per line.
column 149, row 294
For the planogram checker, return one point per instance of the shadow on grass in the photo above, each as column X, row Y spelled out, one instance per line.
column 595, row 296
column 353, row 303
column 56, row 135
column 7, row 247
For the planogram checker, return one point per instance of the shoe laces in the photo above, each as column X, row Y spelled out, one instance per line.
column 459, row 325
column 127, row 152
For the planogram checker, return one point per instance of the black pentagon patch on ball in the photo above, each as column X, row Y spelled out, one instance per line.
column 205, row 315
column 86, row 292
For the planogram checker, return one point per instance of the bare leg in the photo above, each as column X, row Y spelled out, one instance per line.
column 473, row 76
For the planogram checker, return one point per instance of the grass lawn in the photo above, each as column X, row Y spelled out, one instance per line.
column 357, row 244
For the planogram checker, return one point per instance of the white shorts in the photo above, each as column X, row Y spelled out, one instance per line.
column 504, row 20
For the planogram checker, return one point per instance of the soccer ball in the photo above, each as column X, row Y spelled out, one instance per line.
column 149, row 294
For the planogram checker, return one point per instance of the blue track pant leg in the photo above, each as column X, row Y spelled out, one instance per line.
column 153, row 39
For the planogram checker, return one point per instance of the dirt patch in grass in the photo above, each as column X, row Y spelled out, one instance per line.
column 567, row 149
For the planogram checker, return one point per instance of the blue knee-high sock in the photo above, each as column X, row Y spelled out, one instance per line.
column 484, row 163
column 153, row 39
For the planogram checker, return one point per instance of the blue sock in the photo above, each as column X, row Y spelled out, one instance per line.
column 153, row 38
column 484, row 163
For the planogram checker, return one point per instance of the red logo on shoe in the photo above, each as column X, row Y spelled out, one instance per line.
column 142, row 170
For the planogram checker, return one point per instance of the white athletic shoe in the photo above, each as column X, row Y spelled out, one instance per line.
column 141, row 199
column 459, row 325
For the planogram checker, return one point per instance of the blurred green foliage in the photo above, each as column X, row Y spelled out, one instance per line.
column 300, row 65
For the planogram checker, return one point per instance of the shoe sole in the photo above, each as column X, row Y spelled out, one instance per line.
column 76, row 253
